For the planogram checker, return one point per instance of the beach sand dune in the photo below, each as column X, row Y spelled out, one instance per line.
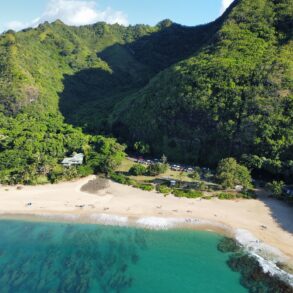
column 268, row 220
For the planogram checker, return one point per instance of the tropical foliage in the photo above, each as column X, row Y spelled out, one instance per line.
column 196, row 94
column 33, row 146
column 230, row 174
column 232, row 98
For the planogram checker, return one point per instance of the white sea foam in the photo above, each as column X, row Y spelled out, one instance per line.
column 66, row 217
column 109, row 219
column 159, row 223
column 266, row 255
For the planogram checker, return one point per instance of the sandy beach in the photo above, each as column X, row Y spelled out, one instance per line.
column 268, row 220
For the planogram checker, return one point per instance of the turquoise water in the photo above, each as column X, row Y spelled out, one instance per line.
column 53, row 257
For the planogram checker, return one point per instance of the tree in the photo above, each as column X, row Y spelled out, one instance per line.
column 230, row 173
column 157, row 169
column 164, row 159
column 276, row 187
column 106, row 154
column 137, row 170
column 142, row 148
column 195, row 176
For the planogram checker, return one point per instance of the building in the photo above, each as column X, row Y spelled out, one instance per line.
column 173, row 183
column 76, row 159
column 239, row 188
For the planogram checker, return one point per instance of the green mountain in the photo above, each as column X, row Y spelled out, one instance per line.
column 233, row 97
column 197, row 94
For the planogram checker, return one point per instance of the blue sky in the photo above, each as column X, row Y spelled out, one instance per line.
column 18, row 14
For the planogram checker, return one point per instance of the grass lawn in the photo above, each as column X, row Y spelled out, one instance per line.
column 191, row 191
column 178, row 176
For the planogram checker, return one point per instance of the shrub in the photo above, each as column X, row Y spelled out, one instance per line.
column 195, row 176
column 163, row 189
column 247, row 194
column 85, row 170
column 230, row 173
column 146, row 187
column 141, row 147
column 56, row 174
column 187, row 193
column 42, row 179
column 137, row 170
column 120, row 178
column 276, row 188
column 224, row 195
column 132, row 182
column 157, row 169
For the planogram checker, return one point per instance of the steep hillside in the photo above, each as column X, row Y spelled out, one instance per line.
column 83, row 71
column 197, row 94
column 232, row 98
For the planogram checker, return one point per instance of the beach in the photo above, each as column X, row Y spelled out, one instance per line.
column 262, row 223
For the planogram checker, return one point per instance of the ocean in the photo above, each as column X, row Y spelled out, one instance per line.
column 67, row 257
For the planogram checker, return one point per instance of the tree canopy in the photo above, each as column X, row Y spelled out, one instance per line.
column 196, row 94
column 230, row 174
column 32, row 148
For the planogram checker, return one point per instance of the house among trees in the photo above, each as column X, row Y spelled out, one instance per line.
column 239, row 188
column 76, row 159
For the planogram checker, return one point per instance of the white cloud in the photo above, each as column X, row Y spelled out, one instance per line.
column 225, row 5
column 73, row 12
column 15, row 25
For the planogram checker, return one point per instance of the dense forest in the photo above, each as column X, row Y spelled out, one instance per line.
column 32, row 147
column 196, row 94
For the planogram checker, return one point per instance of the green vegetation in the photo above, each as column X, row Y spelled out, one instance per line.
column 141, row 148
column 196, row 94
column 157, row 169
column 161, row 188
column 32, row 147
column 120, row 178
column 195, row 176
column 146, row 187
column 183, row 188
column 187, row 193
column 105, row 154
column 224, row 195
column 243, row 195
column 230, row 174
column 138, row 170
column 123, row 179
column 276, row 188
column 231, row 98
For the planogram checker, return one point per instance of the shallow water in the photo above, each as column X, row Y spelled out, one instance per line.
column 55, row 257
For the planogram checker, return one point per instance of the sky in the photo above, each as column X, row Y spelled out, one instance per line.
column 19, row 14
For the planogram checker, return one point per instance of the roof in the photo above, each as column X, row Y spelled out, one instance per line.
column 77, row 159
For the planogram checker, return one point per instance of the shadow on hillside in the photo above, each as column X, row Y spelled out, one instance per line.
column 280, row 211
column 90, row 94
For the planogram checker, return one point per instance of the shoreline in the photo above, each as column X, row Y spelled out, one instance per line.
column 268, row 258
column 103, row 219
column 252, row 221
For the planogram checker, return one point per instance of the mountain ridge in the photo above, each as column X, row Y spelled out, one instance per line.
column 197, row 94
